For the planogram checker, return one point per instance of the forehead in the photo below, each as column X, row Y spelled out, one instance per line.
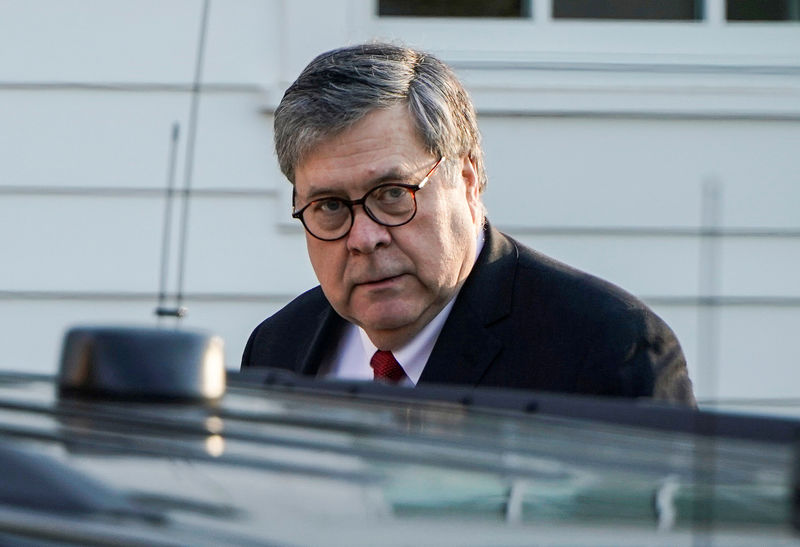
column 383, row 141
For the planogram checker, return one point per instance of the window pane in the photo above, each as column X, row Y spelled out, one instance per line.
column 763, row 10
column 680, row 10
column 454, row 8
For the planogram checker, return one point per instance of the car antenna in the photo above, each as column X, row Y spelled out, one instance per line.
column 178, row 311
column 162, row 310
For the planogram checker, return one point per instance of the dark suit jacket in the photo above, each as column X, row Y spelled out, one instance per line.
column 522, row 320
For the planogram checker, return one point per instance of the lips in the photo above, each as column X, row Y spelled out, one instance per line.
column 378, row 280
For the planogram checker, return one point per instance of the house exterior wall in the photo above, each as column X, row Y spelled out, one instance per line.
column 659, row 155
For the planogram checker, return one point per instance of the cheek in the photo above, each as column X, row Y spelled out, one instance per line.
column 433, row 252
column 324, row 261
column 456, row 235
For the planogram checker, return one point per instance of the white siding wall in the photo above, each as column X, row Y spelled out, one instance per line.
column 599, row 136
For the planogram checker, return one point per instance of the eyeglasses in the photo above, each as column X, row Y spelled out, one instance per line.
column 391, row 205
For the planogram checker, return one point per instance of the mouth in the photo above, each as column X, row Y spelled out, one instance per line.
column 380, row 282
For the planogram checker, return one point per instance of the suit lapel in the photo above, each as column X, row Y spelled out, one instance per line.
column 466, row 346
column 329, row 329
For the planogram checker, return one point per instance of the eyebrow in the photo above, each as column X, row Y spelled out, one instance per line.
column 392, row 175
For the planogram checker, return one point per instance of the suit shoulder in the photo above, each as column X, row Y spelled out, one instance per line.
column 630, row 349
column 289, row 327
column 606, row 315
column 573, row 287
column 303, row 310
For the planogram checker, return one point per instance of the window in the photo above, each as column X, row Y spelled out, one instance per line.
column 763, row 10
column 621, row 10
column 454, row 8
column 672, row 10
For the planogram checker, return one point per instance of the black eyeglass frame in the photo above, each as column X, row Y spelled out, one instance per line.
column 412, row 188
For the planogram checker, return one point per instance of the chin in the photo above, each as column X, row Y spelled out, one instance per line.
column 387, row 318
column 385, row 323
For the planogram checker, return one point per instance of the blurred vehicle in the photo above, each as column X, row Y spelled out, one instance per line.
column 92, row 456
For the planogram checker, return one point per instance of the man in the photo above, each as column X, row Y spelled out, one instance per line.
column 382, row 146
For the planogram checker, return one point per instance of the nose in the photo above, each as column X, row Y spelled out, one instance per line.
column 366, row 235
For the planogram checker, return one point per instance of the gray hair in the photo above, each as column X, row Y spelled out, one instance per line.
column 340, row 87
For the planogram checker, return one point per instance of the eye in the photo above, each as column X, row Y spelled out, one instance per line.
column 328, row 206
column 390, row 194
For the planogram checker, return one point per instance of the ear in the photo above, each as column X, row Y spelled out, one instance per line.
column 469, row 176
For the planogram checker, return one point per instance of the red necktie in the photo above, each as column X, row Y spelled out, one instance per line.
column 386, row 368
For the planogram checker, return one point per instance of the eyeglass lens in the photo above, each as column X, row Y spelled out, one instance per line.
column 389, row 205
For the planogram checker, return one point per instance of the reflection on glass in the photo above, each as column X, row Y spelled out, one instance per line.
column 215, row 445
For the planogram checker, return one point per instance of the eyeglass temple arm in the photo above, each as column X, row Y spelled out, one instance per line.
column 424, row 181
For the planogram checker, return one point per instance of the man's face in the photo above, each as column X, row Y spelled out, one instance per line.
column 391, row 281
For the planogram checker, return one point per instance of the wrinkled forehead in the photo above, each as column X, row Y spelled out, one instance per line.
column 402, row 122
column 383, row 140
